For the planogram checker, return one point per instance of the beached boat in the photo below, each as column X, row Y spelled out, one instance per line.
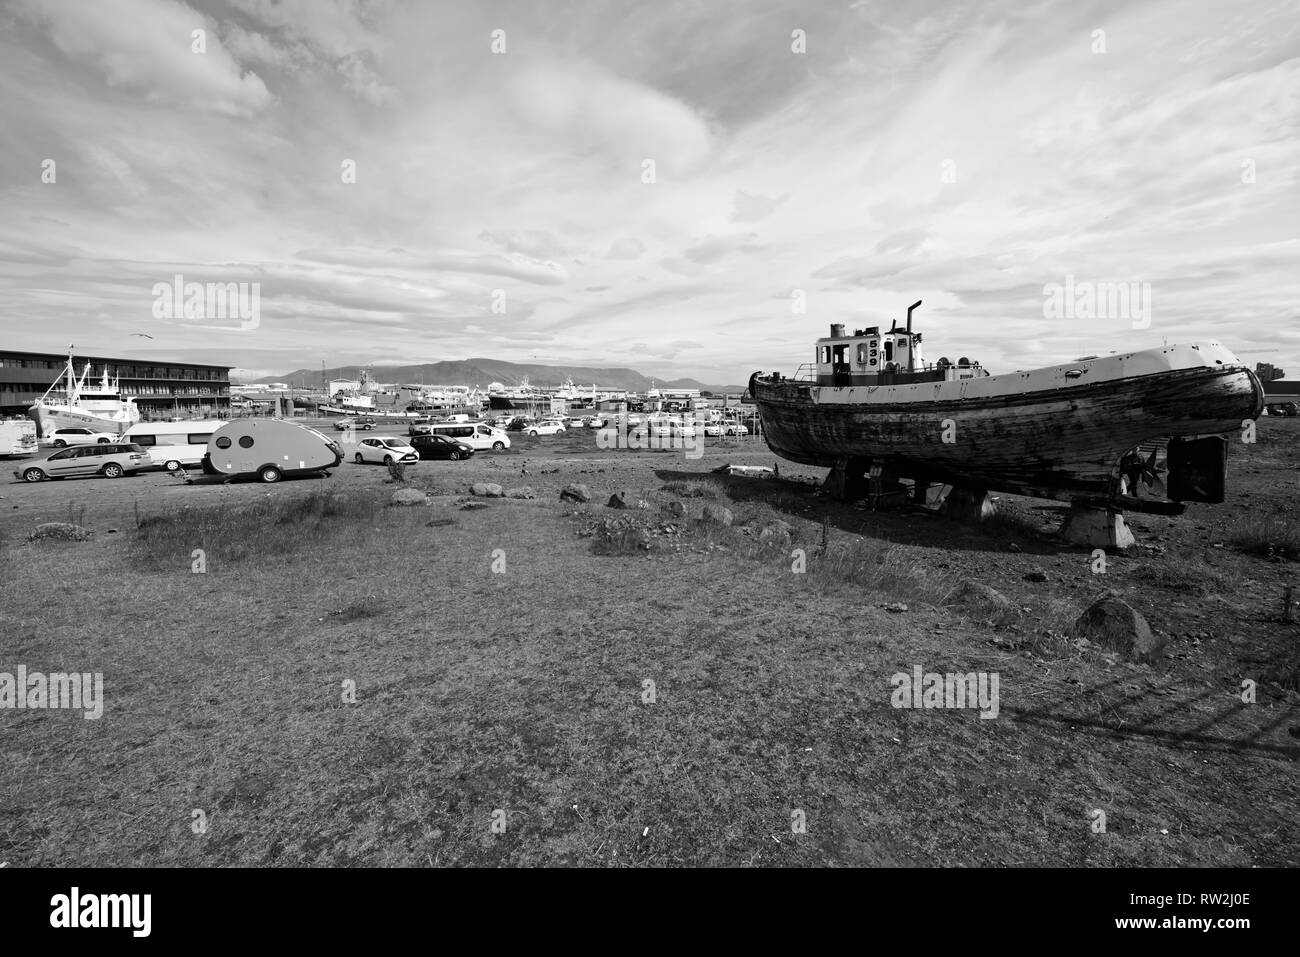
column 1087, row 430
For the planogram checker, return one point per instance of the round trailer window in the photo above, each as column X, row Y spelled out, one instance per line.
column 223, row 442
column 245, row 441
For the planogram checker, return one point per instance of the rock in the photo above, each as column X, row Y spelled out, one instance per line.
column 677, row 509
column 718, row 514
column 1112, row 622
column 1037, row 575
column 409, row 496
column 486, row 490
column 439, row 522
column 619, row 499
column 1013, row 547
column 470, row 506
column 59, row 532
column 896, row 607
column 524, row 491
column 575, row 493
column 775, row 534
column 972, row 594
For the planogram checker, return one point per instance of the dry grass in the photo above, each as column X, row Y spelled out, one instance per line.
column 1271, row 538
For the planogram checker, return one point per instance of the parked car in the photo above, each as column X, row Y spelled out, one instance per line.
column 477, row 435
column 435, row 446
column 735, row 428
column 1282, row 408
column 383, row 450
column 686, row 428
column 61, row 438
column 546, row 428
column 344, row 424
column 713, row 428
column 109, row 459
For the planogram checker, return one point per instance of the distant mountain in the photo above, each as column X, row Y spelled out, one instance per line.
column 481, row 372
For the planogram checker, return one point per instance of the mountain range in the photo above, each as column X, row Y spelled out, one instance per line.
column 481, row 372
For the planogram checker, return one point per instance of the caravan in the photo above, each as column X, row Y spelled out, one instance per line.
column 269, row 449
column 173, row 445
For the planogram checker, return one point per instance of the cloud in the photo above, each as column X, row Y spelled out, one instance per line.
column 626, row 249
column 145, row 45
column 750, row 207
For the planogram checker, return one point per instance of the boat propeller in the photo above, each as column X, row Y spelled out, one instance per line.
column 1135, row 469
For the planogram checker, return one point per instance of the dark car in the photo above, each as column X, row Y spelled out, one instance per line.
column 440, row 447
column 519, row 423
column 1282, row 408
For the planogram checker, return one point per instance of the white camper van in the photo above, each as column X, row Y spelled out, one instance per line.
column 172, row 445
column 18, row 437
column 269, row 449
column 477, row 435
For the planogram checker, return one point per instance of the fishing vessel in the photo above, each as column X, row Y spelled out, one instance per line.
column 1090, row 431
column 73, row 401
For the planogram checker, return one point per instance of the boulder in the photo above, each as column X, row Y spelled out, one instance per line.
column 470, row 506
column 409, row 496
column 1114, row 623
column 575, row 493
column 717, row 514
column 523, row 491
column 486, row 490
column 676, row 509
column 977, row 595
column 59, row 532
column 776, row 534
column 620, row 499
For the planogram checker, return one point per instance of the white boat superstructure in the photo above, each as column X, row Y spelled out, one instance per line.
column 72, row 401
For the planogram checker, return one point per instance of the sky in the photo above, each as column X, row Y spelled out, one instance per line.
column 417, row 181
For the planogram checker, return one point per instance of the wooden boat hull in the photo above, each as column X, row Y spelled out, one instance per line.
column 1058, row 432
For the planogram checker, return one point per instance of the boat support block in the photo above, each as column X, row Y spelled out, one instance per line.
column 969, row 503
column 1096, row 526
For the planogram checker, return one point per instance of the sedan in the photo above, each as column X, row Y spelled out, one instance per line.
column 385, row 451
column 713, row 428
column 735, row 428
column 546, row 428
column 441, row 447
column 344, row 424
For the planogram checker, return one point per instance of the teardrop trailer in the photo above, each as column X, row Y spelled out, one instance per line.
column 269, row 449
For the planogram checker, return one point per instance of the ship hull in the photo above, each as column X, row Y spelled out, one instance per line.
column 1058, row 432
column 48, row 418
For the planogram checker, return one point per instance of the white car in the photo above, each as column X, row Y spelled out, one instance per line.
column 384, row 451
column 713, row 428
column 574, row 423
column 735, row 428
column 546, row 428
column 77, row 436
column 685, row 429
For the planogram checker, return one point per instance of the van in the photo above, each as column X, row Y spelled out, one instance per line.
column 477, row 435
column 269, row 449
column 172, row 445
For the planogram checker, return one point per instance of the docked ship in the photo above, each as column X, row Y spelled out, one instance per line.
column 75, row 402
column 524, row 398
column 1088, row 431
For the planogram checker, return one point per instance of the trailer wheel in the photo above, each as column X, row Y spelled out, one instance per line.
column 172, row 465
column 269, row 473
column 33, row 475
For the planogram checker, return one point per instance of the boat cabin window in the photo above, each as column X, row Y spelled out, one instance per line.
column 862, row 355
column 826, row 354
column 889, row 350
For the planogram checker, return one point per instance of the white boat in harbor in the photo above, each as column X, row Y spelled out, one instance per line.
column 71, row 402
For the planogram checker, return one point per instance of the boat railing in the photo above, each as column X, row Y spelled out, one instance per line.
column 805, row 373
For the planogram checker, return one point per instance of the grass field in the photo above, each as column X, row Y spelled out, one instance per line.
column 543, row 682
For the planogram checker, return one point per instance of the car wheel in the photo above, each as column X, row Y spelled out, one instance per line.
column 454, row 455
column 270, row 473
column 102, row 441
column 533, row 433
column 33, row 475
column 112, row 470
column 59, row 444
column 498, row 446
column 358, row 459
column 172, row 465
column 388, row 460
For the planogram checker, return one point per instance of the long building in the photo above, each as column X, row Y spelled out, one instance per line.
column 161, row 389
